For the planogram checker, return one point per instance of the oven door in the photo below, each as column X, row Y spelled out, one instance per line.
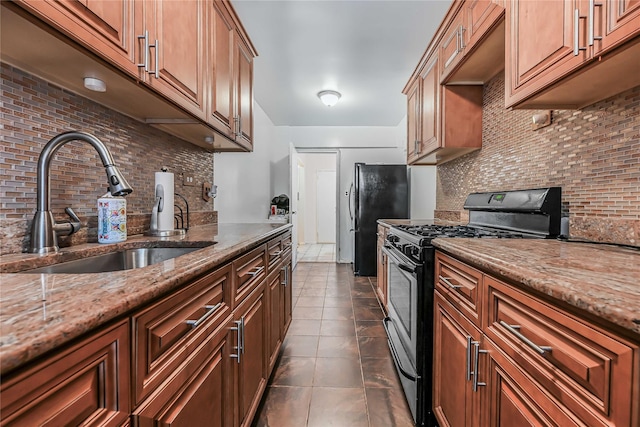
column 401, row 325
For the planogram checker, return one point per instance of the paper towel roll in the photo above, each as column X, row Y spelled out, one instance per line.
column 165, row 217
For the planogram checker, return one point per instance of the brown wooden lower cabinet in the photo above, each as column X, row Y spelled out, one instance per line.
column 197, row 392
column 251, row 363
column 381, row 279
column 86, row 384
column 532, row 363
column 196, row 360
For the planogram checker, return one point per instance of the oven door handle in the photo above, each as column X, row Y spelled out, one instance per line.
column 412, row 376
column 405, row 264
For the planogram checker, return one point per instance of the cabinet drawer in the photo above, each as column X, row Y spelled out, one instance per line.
column 461, row 285
column 591, row 372
column 287, row 241
column 88, row 383
column 166, row 332
column 249, row 271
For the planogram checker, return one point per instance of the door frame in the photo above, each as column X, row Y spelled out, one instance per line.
column 337, row 164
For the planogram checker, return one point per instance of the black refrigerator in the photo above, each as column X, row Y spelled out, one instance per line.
column 379, row 192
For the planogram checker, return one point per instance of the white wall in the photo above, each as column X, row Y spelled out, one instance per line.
column 244, row 180
column 422, row 184
column 248, row 181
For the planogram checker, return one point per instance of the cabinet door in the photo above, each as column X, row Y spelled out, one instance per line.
column 274, row 289
column 513, row 400
column 196, row 394
column 455, row 403
column 481, row 15
column 105, row 27
column 452, row 46
column 252, row 369
column 286, row 276
column 177, row 51
column 540, row 43
column 430, row 111
column 413, row 121
column 244, row 95
column 381, row 279
column 86, row 384
column 616, row 24
column 221, row 104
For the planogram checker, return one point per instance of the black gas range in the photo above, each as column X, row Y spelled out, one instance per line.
column 521, row 214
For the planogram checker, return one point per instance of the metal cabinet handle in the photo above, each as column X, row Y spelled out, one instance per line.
column 540, row 349
column 462, row 30
column 418, row 148
column 276, row 254
column 236, row 125
column 448, row 283
column 156, row 47
column 210, row 310
column 238, row 346
column 576, row 33
column 286, row 276
column 145, row 64
column 469, row 340
column 239, row 328
column 591, row 24
column 476, row 356
column 255, row 271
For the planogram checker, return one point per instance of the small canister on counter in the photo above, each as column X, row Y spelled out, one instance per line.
column 112, row 219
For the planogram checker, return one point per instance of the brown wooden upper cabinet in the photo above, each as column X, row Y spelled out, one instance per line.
column 194, row 58
column 231, row 106
column 546, row 43
column 472, row 46
column 172, row 38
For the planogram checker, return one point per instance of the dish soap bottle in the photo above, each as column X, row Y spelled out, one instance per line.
column 112, row 219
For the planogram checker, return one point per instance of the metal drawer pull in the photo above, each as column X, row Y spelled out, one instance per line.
column 286, row 276
column 448, row 283
column 468, row 358
column 476, row 356
column 255, row 271
column 277, row 254
column 514, row 330
column 210, row 310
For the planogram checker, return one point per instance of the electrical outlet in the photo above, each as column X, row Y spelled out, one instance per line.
column 188, row 180
column 206, row 191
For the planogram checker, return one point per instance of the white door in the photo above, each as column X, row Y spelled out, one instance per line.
column 293, row 202
column 326, row 206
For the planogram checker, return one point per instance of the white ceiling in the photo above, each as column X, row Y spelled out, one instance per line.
column 365, row 49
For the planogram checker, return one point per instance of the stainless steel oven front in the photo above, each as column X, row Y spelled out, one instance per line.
column 404, row 280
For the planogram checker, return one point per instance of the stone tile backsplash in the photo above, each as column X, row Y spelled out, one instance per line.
column 32, row 111
column 593, row 154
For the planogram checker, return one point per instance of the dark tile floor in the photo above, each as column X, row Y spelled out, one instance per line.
column 335, row 368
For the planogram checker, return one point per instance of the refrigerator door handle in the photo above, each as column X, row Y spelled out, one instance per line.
column 350, row 210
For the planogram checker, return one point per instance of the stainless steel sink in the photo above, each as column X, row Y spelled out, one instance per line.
column 126, row 259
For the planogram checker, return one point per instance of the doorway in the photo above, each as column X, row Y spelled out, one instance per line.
column 318, row 202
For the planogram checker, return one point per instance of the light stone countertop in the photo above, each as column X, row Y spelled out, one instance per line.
column 601, row 280
column 39, row 312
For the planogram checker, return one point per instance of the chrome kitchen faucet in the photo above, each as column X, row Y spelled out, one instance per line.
column 44, row 229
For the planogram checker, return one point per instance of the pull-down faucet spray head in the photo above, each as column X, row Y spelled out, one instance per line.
column 44, row 229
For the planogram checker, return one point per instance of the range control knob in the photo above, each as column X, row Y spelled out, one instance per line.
column 393, row 238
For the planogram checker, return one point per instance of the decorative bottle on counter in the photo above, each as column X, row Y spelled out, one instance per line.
column 112, row 219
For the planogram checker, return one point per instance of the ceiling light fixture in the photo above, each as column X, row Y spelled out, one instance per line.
column 329, row 97
column 94, row 84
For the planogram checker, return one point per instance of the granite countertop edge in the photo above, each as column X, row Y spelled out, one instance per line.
column 38, row 315
column 563, row 271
